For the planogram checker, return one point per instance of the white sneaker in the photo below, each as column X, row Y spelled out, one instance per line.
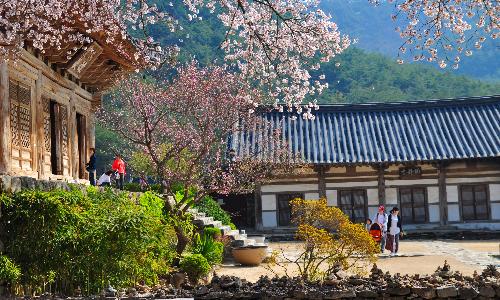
column 392, row 254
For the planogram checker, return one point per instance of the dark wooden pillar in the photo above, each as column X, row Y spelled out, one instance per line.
column 443, row 202
column 381, row 182
column 5, row 149
column 258, row 207
column 321, row 170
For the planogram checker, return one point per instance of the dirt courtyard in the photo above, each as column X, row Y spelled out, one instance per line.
column 415, row 257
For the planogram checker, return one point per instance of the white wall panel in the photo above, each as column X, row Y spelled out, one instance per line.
column 351, row 184
column 495, row 211
column 311, row 196
column 331, row 197
column 453, row 212
column 434, row 213
column 269, row 219
column 471, row 180
column 494, row 192
column 268, row 202
column 391, row 196
column 299, row 187
column 451, row 193
column 432, row 194
column 409, row 182
column 372, row 196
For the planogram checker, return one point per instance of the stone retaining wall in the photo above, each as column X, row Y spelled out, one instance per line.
column 444, row 284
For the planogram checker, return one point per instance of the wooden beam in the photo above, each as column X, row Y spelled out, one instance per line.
column 321, row 170
column 443, row 201
column 258, row 207
column 5, row 144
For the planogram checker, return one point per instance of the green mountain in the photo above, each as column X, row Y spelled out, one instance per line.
column 374, row 30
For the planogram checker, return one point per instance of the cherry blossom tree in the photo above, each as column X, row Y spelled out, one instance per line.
column 183, row 127
column 442, row 31
column 273, row 43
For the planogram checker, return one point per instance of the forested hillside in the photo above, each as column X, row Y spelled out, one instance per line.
column 355, row 76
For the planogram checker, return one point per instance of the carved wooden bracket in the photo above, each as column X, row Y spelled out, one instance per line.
column 84, row 60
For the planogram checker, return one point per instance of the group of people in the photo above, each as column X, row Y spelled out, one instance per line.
column 391, row 229
column 117, row 171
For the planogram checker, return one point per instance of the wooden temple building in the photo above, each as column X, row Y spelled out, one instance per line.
column 437, row 160
column 48, row 102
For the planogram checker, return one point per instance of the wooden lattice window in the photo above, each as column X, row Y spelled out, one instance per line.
column 413, row 205
column 20, row 122
column 284, row 209
column 354, row 204
column 46, row 125
column 474, row 200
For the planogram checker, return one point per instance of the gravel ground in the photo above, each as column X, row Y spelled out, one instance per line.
column 415, row 257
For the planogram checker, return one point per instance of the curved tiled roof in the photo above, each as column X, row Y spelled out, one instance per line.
column 388, row 132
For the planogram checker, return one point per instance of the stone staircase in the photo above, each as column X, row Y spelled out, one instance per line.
column 238, row 239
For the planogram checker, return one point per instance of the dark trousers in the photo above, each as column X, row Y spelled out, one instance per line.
column 92, row 177
column 120, row 180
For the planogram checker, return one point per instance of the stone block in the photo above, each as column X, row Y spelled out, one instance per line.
column 424, row 292
column 468, row 292
column 15, row 185
column 5, row 182
column 340, row 294
column 367, row 294
column 487, row 291
column 446, row 291
column 399, row 291
column 27, row 183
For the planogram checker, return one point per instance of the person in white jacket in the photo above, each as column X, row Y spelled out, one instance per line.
column 105, row 179
column 381, row 219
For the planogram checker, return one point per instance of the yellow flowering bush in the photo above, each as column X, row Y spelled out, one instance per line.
column 330, row 241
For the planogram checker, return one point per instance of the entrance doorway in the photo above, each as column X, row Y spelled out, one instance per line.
column 56, row 159
column 81, row 125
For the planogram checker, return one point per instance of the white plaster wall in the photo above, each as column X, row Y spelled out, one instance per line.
column 451, row 193
column 494, row 192
column 405, row 182
column 268, row 202
column 391, row 196
column 453, row 212
column 434, row 213
column 331, row 197
column 311, row 196
column 299, row 187
column 351, row 184
column 471, row 180
column 432, row 194
column 372, row 195
column 495, row 211
column 269, row 219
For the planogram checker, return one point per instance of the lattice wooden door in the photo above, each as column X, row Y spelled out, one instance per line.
column 20, row 125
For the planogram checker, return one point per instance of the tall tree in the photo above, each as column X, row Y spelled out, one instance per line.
column 182, row 129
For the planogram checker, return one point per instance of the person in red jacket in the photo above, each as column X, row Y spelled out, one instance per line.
column 119, row 166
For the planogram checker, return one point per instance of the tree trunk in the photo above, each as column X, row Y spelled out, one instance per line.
column 182, row 242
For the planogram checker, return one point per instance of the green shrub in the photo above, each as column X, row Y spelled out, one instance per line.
column 213, row 232
column 206, row 245
column 9, row 271
column 71, row 238
column 196, row 266
column 212, row 209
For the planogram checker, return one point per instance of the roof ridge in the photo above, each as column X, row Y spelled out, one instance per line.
column 411, row 104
